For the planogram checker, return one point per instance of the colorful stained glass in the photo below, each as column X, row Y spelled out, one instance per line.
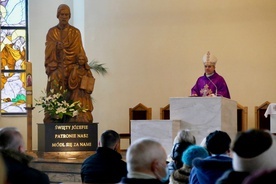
column 13, row 56
column 13, row 13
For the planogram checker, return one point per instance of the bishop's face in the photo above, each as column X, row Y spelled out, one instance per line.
column 209, row 69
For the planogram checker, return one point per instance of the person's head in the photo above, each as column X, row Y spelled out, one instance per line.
column 63, row 14
column 11, row 139
column 184, row 135
column 182, row 140
column 110, row 139
column 192, row 152
column 209, row 62
column 218, row 142
column 147, row 156
column 254, row 149
column 82, row 61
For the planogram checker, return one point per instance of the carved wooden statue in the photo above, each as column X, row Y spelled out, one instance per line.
column 63, row 48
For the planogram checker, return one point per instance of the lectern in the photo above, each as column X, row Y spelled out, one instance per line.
column 203, row 115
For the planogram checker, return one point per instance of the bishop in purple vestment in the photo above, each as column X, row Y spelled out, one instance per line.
column 211, row 83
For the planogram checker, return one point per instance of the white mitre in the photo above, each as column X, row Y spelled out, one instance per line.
column 209, row 59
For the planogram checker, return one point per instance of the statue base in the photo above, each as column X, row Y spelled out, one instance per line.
column 67, row 137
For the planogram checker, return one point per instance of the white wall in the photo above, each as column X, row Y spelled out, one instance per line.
column 153, row 51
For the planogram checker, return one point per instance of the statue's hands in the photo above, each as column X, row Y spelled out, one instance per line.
column 60, row 45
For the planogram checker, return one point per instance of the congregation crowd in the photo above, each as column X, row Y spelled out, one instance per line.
column 249, row 159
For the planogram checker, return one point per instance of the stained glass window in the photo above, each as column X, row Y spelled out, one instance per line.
column 14, row 55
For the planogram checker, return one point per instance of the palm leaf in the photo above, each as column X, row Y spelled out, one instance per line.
column 98, row 67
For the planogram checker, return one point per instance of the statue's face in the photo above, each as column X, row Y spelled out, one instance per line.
column 64, row 16
column 81, row 61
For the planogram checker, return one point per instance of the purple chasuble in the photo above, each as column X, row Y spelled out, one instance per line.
column 214, row 84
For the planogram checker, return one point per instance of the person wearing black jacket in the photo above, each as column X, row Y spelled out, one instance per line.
column 16, row 161
column 106, row 165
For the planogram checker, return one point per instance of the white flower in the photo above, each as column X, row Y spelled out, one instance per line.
column 75, row 113
column 55, row 104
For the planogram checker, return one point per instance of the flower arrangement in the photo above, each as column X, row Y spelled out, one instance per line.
column 56, row 105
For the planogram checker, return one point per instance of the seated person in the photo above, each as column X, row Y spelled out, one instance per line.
column 16, row 161
column 106, row 165
column 146, row 163
column 182, row 141
column 253, row 150
column 182, row 175
column 209, row 169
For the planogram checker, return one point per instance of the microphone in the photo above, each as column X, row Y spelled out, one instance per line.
column 216, row 93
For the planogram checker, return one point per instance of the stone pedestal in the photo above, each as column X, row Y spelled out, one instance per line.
column 162, row 130
column 203, row 115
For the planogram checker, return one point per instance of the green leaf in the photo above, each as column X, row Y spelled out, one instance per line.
column 98, row 67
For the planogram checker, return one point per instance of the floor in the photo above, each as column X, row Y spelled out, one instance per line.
column 62, row 170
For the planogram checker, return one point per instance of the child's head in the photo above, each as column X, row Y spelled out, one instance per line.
column 81, row 59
